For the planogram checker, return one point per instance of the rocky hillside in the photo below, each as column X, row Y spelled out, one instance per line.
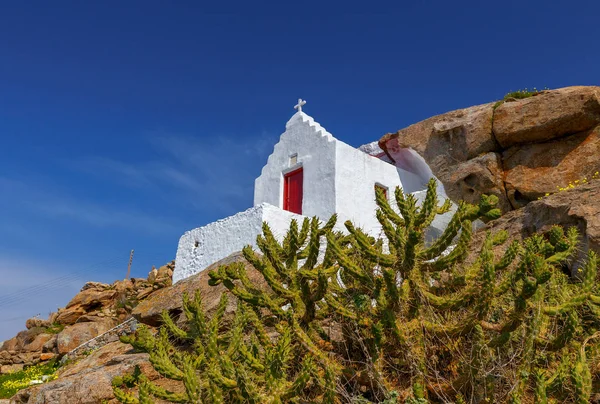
column 97, row 308
column 520, row 150
column 516, row 149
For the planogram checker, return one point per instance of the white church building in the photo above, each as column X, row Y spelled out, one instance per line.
column 310, row 173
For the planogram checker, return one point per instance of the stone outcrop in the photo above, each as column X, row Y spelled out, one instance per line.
column 126, row 328
column 547, row 116
column 89, row 380
column 576, row 207
column 97, row 308
column 533, row 169
column 518, row 150
column 74, row 335
column 170, row 299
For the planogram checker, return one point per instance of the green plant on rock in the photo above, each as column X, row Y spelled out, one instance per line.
column 485, row 327
column 297, row 282
column 397, row 319
column 519, row 95
column 242, row 365
column 11, row 383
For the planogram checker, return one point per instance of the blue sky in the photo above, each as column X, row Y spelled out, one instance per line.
column 124, row 124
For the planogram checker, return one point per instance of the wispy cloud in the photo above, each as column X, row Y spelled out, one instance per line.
column 43, row 201
column 102, row 216
column 29, row 287
column 214, row 173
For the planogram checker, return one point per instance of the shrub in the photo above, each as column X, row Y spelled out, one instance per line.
column 417, row 322
column 11, row 383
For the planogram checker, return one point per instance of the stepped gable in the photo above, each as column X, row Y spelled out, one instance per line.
column 518, row 149
column 310, row 173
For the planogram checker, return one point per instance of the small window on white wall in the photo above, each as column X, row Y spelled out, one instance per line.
column 293, row 159
column 382, row 189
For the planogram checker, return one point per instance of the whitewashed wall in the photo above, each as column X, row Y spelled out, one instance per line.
column 201, row 247
column 337, row 179
column 316, row 150
column 356, row 176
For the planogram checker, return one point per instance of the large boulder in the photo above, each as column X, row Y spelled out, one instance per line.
column 518, row 150
column 547, row 115
column 532, row 170
column 89, row 380
column 171, row 298
column 37, row 322
column 27, row 341
column 576, row 207
column 93, row 297
column 74, row 335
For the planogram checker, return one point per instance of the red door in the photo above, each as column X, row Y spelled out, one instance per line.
column 292, row 191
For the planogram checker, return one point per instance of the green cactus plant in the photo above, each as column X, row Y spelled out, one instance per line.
column 417, row 320
column 242, row 365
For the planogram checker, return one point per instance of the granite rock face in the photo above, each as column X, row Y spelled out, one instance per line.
column 170, row 299
column 89, row 380
column 577, row 207
column 74, row 335
column 547, row 116
column 97, row 308
column 535, row 169
column 518, row 150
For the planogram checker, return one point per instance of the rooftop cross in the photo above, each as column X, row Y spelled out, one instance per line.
column 298, row 106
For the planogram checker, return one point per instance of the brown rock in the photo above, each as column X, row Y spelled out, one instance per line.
column 95, row 285
column 11, row 368
column 47, row 356
column 90, row 298
column 577, row 207
column 26, row 341
column 170, row 298
column 87, row 301
column 50, row 345
column 143, row 293
column 5, row 358
column 123, row 286
column 447, row 143
column 547, row 116
column 27, row 358
column 36, row 322
column 91, row 318
column 88, row 380
column 533, row 170
column 164, row 275
column 137, row 281
column 52, row 317
column 37, row 344
column 481, row 175
column 152, row 275
column 74, row 335
column 454, row 136
column 10, row 345
column 554, row 132
column 69, row 316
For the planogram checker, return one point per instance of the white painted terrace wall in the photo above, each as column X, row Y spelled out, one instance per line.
column 201, row 247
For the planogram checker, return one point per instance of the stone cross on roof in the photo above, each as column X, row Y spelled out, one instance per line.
column 298, row 106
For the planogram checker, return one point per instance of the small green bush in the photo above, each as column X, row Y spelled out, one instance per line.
column 518, row 95
column 521, row 94
column 55, row 328
column 11, row 383
column 412, row 321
